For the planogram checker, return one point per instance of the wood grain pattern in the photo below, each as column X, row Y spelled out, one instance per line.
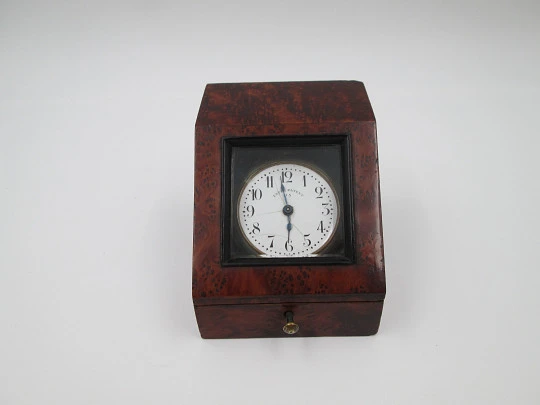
column 247, row 104
column 267, row 320
column 305, row 108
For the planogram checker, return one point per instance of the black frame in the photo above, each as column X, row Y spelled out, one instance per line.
column 343, row 141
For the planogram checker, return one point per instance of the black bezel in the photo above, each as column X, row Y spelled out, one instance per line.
column 227, row 146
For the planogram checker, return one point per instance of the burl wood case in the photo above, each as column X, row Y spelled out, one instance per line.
column 343, row 299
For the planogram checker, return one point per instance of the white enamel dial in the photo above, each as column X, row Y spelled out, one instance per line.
column 288, row 210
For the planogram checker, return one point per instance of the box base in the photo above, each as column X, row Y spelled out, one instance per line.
column 267, row 320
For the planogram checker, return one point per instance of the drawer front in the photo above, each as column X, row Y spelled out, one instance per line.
column 267, row 320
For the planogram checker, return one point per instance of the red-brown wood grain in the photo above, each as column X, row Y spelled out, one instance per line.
column 292, row 108
column 267, row 320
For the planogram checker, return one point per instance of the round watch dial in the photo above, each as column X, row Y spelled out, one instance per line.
column 288, row 210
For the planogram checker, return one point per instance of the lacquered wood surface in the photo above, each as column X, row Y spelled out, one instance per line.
column 267, row 320
column 247, row 104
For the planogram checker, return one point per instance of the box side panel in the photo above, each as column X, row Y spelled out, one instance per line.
column 267, row 320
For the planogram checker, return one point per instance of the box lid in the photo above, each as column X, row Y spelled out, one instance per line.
column 238, row 104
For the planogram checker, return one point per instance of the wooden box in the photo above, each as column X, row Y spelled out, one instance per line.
column 326, row 299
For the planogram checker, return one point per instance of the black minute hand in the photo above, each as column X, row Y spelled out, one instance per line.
column 283, row 191
column 287, row 210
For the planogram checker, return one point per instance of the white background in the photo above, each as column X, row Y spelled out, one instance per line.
column 98, row 103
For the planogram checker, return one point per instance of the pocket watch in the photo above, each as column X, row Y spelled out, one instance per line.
column 288, row 210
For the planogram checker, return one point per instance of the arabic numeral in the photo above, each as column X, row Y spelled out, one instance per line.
column 320, row 227
column 271, row 237
column 256, row 194
column 286, row 177
column 307, row 242
column 256, row 230
column 318, row 191
column 326, row 210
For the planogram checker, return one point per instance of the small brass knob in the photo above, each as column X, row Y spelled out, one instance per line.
column 290, row 327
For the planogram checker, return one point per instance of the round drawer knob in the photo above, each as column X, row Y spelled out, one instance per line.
column 290, row 327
